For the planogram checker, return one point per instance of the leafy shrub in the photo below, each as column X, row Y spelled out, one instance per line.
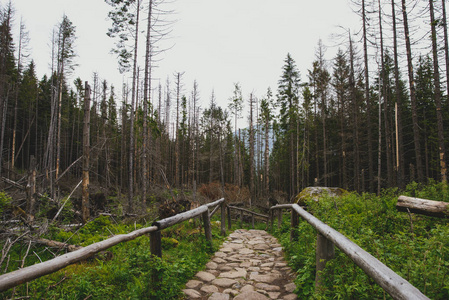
column 5, row 200
column 415, row 247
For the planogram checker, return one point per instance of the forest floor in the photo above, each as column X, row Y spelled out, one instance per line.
column 250, row 266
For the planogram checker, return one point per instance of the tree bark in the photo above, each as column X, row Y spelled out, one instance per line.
column 400, row 161
column 416, row 134
column 368, row 101
column 436, row 79
column 131, row 129
column 86, row 153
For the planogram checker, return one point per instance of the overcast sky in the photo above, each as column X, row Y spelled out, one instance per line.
column 215, row 42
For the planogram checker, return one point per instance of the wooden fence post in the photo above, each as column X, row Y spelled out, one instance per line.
column 271, row 218
column 241, row 219
column 207, row 227
column 324, row 251
column 156, row 243
column 294, row 226
column 252, row 220
column 223, row 219
column 279, row 218
column 229, row 217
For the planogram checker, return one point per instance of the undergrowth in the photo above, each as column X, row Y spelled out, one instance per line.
column 125, row 271
column 415, row 247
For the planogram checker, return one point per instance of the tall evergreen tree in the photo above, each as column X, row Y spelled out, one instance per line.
column 288, row 101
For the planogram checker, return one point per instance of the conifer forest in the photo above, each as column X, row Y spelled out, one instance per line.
column 82, row 159
column 374, row 116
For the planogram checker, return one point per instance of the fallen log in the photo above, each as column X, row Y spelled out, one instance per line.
column 55, row 244
column 423, row 206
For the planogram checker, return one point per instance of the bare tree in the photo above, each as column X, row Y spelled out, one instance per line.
column 412, row 95
column 436, row 79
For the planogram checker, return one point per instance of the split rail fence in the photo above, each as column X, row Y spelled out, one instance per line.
column 15, row 278
column 327, row 237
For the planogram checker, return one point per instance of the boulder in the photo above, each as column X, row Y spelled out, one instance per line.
column 316, row 192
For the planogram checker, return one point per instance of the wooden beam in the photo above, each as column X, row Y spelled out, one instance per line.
column 162, row 224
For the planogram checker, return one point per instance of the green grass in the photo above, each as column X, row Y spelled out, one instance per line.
column 417, row 250
column 129, row 271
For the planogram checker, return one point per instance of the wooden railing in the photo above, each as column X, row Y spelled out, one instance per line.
column 392, row 283
column 245, row 211
column 18, row 277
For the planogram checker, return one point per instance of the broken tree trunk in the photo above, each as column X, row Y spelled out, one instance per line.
column 423, row 206
column 31, row 187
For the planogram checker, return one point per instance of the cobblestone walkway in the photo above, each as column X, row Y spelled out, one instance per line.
column 249, row 266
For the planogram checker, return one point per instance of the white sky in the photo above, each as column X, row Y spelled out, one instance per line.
column 215, row 42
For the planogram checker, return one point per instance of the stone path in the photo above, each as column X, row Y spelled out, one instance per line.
column 249, row 266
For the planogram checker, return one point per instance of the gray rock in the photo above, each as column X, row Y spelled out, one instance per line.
column 205, row 276
column 224, row 282
column 209, row 289
column 219, row 296
column 251, row 296
column 193, row 284
column 192, row 294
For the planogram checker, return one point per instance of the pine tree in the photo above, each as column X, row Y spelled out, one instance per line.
column 288, row 100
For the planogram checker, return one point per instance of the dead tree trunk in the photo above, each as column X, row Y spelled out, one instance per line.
column 86, row 149
column 31, row 187
column 419, row 167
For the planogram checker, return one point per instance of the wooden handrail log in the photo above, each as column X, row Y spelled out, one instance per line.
column 249, row 211
column 281, row 206
column 392, row 283
column 170, row 221
column 212, row 204
column 17, row 277
column 214, row 211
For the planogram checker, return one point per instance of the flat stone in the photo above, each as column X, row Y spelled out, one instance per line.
column 193, row 284
column 261, row 247
column 219, row 260
column 251, row 296
column 267, row 287
column 235, row 245
column 237, row 242
column 224, row 282
column 290, row 297
column 220, row 254
column 209, row 289
column 219, row 296
column 277, row 249
column 280, row 265
column 290, row 287
column 270, row 264
column 224, row 268
column 264, row 278
column 231, row 291
column 226, row 250
column 273, row 295
column 245, row 264
column 205, row 276
column 192, row 294
column 247, row 288
column 246, row 251
column 211, row 265
column 238, row 273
